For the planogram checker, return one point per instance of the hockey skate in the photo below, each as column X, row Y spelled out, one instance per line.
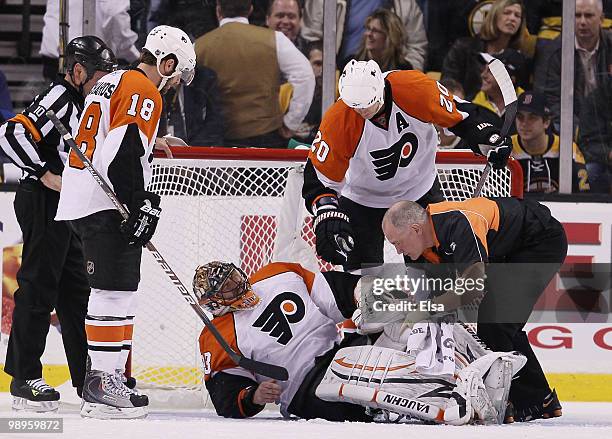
column 550, row 407
column 34, row 395
column 106, row 397
column 130, row 382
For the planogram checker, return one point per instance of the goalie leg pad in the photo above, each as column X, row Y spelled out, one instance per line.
column 384, row 378
column 486, row 384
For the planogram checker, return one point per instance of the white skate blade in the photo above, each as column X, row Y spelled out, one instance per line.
column 25, row 405
column 104, row 411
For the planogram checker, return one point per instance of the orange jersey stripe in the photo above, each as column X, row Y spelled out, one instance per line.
column 275, row 268
column 219, row 359
column 29, row 126
column 241, row 396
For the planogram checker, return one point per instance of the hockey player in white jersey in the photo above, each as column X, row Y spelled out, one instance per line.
column 375, row 146
column 287, row 315
column 117, row 133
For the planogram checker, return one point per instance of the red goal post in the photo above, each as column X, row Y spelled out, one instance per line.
column 242, row 205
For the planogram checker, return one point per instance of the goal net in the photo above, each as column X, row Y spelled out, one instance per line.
column 243, row 206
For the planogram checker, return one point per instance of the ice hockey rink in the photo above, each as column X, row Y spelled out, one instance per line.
column 579, row 420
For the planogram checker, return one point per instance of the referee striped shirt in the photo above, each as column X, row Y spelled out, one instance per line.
column 30, row 139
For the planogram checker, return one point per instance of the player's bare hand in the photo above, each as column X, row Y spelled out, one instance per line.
column 268, row 391
column 52, row 181
column 161, row 144
column 285, row 132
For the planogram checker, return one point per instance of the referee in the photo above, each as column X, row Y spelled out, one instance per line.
column 52, row 273
column 523, row 247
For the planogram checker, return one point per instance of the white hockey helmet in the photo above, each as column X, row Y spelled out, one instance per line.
column 361, row 84
column 167, row 40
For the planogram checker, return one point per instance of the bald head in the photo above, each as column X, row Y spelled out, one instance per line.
column 407, row 228
column 405, row 213
column 597, row 4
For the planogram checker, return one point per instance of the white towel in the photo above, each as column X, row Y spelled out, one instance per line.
column 433, row 345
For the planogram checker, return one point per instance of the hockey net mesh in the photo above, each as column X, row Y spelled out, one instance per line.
column 247, row 212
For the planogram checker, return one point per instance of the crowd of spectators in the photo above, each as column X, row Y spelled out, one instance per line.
column 258, row 81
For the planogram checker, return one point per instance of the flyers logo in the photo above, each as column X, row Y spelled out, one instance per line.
column 399, row 155
column 284, row 309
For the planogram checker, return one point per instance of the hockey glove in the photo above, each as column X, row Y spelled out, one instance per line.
column 485, row 139
column 333, row 231
column 140, row 226
column 500, row 152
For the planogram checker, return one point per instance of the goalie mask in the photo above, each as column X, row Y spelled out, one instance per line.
column 221, row 287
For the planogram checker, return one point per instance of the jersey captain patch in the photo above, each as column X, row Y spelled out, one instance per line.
column 276, row 319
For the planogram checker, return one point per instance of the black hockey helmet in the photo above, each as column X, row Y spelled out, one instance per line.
column 92, row 53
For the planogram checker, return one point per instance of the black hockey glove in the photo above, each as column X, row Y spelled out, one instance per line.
column 333, row 231
column 140, row 226
column 499, row 152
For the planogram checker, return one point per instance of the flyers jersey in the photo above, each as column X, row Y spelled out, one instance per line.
column 117, row 133
column 295, row 322
column 379, row 161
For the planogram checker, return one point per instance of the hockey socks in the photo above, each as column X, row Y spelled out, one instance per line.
column 109, row 331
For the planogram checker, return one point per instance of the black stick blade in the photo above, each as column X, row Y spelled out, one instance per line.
column 265, row 369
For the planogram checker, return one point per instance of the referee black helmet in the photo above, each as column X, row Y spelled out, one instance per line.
column 92, row 53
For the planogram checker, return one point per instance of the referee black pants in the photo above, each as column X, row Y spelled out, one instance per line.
column 513, row 288
column 52, row 276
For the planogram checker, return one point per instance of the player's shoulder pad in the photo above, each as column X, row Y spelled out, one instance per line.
column 423, row 98
column 341, row 129
column 136, row 100
column 276, row 268
column 134, row 81
column 340, row 113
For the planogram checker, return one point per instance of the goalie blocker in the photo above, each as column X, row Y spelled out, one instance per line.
column 287, row 315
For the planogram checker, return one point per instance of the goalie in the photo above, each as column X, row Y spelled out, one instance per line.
column 287, row 315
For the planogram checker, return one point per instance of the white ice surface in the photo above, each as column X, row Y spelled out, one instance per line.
column 579, row 420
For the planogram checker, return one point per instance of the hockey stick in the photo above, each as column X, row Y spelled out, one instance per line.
column 499, row 72
column 261, row 368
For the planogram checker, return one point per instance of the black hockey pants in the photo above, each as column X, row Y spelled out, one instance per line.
column 52, row 276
